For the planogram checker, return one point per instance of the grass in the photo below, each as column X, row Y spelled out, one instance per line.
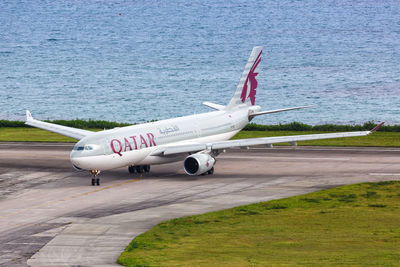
column 10, row 134
column 292, row 126
column 391, row 139
column 356, row 225
column 378, row 139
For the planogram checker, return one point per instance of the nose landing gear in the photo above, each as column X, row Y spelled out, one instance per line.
column 95, row 179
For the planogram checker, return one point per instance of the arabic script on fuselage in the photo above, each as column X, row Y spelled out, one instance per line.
column 168, row 130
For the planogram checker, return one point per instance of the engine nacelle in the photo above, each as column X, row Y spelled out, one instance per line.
column 198, row 163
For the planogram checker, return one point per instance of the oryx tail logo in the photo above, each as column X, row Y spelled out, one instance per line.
column 251, row 79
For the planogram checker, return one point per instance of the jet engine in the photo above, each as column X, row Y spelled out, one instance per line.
column 198, row 163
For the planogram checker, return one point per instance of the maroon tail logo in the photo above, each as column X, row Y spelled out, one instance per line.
column 251, row 78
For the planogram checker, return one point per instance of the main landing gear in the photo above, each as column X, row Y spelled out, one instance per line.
column 139, row 169
column 209, row 172
column 95, row 179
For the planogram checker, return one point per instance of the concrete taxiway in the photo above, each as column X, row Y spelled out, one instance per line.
column 51, row 215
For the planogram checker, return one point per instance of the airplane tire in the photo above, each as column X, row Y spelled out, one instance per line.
column 211, row 171
column 131, row 169
column 93, row 181
column 97, row 181
column 146, row 168
column 139, row 169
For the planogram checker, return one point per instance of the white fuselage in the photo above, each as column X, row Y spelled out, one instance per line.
column 134, row 145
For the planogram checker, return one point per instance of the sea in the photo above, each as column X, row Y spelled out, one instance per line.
column 136, row 61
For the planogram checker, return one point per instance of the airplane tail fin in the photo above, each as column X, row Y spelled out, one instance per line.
column 245, row 93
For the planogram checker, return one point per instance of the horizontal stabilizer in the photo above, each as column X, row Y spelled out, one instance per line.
column 52, row 127
column 275, row 111
column 214, row 106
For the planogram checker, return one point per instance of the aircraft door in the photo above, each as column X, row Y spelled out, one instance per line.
column 106, row 147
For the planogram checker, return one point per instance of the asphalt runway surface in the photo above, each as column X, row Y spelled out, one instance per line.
column 42, row 197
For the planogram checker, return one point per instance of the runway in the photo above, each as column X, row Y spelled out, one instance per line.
column 46, row 205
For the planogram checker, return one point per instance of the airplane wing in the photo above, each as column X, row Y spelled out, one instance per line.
column 63, row 130
column 170, row 150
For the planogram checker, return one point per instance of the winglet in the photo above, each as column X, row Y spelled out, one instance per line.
column 376, row 128
column 28, row 116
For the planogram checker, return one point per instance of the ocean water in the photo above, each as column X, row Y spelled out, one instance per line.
column 134, row 61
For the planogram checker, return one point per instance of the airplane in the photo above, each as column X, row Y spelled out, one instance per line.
column 196, row 139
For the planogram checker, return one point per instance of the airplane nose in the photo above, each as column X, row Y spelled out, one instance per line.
column 74, row 158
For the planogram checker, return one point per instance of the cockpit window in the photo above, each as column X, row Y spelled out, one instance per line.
column 80, row 148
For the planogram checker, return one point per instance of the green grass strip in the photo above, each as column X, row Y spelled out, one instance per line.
column 11, row 134
column 378, row 139
column 382, row 139
column 292, row 126
column 355, row 225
